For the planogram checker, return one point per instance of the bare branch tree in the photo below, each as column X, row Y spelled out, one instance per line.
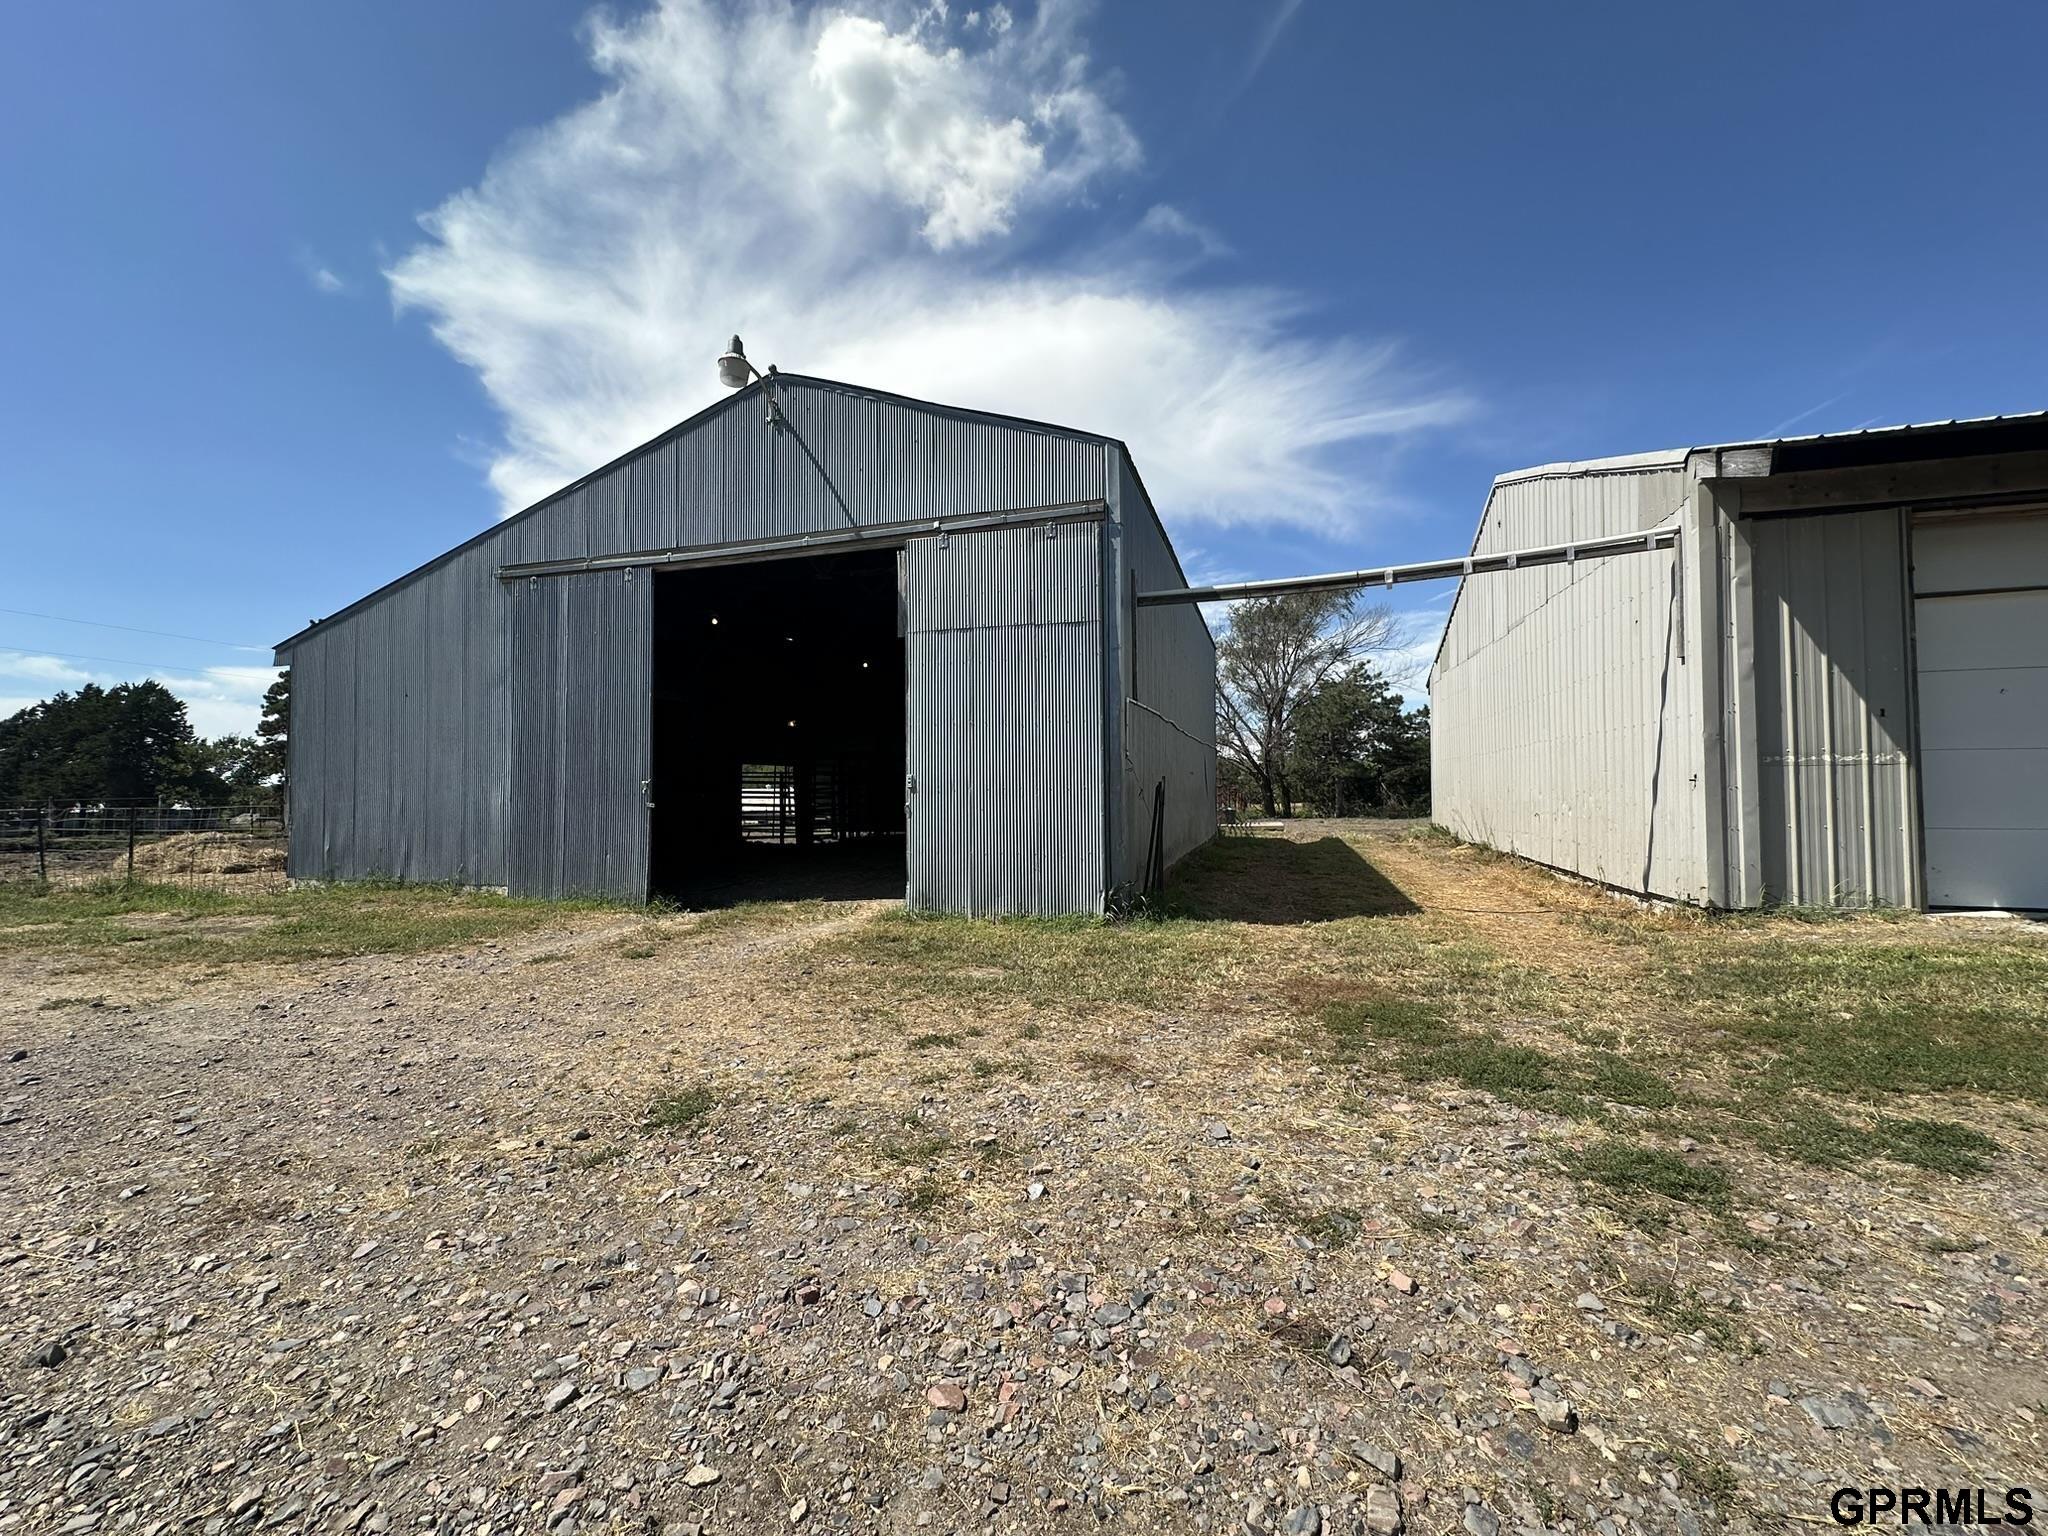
column 1277, row 652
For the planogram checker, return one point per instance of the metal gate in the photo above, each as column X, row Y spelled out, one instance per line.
column 1003, row 799
column 581, row 693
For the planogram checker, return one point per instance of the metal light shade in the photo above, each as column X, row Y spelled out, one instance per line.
column 733, row 368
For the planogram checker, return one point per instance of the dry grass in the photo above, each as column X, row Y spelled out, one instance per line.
column 206, row 853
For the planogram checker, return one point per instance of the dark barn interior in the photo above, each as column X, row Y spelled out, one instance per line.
column 777, row 731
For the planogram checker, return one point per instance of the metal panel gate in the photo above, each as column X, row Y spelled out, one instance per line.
column 580, row 685
column 1003, row 730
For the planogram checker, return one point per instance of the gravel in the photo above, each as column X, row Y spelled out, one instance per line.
column 383, row 1244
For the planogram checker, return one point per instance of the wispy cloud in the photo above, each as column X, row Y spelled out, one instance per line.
column 863, row 197
column 1811, row 411
column 323, row 278
column 1163, row 221
column 1283, row 13
column 218, row 700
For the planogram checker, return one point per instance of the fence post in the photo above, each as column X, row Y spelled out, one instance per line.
column 131, row 845
column 42, row 863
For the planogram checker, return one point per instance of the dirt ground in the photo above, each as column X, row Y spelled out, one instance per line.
column 784, row 1219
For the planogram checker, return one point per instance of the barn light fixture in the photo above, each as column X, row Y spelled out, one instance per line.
column 736, row 372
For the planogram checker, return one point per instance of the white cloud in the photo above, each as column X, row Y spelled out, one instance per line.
column 858, row 195
column 219, row 701
column 43, row 669
column 323, row 278
column 1165, row 222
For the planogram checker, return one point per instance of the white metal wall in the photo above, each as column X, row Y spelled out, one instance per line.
column 1833, row 709
column 1980, row 587
column 1565, row 704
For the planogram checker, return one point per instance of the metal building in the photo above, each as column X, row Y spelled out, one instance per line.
column 823, row 635
column 1826, row 685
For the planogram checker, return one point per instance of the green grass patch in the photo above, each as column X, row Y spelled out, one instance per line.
column 913, row 1146
column 1621, row 1081
column 1809, row 1134
column 1805, row 1134
column 1940, row 1146
column 926, row 1194
column 152, row 924
column 681, row 1108
column 1870, row 1020
column 1421, row 1045
column 1644, row 1183
column 1355, row 1026
column 756, row 917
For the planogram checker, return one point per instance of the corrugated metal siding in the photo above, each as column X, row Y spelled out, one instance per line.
column 401, row 751
column 1003, row 661
column 399, row 735
column 1565, row 703
column 1834, row 710
column 1169, row 683
column 582, row 652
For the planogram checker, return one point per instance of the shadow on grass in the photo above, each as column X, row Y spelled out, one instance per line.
column 1275, row 880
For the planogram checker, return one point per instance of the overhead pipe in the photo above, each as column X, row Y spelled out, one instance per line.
column 1428, row 570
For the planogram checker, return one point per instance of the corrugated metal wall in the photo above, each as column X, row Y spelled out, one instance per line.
column 1834, row 709
column 399, row 732
column 582, row 651
column 1003, row 672
column 1565, row 702
column 1168, row 673
column 402, row 736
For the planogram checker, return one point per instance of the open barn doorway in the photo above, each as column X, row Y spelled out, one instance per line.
column 777, row 731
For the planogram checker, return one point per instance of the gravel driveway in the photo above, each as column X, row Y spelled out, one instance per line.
column 684, row 1224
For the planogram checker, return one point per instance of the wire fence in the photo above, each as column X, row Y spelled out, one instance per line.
column 196, row 847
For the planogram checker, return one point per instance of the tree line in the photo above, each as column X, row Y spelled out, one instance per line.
column 1306, row 720
column 134, row 742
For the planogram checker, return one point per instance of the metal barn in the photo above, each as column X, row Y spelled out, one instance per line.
column 1826, row 685
column 825, row 638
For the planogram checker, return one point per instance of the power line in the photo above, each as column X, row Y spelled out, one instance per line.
column 185, row 667
column 161, row 634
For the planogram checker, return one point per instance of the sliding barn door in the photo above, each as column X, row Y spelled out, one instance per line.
column 1003, row 736
column 580, row 685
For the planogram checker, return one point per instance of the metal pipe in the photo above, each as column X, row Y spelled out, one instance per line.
column 1428, row 570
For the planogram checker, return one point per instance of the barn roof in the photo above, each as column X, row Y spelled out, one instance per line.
column 700, row 419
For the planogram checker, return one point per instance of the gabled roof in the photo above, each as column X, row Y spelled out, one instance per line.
column 2021, row 431
column 701, row 418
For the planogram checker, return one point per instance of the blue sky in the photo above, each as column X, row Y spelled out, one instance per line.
column 299, row 297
